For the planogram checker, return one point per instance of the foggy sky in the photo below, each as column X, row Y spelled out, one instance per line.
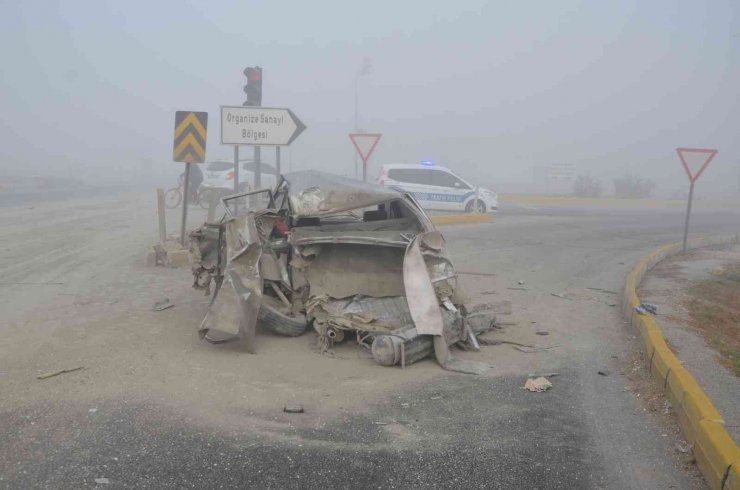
column 490, row 89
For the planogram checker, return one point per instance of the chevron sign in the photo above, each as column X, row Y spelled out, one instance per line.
column 190, row 137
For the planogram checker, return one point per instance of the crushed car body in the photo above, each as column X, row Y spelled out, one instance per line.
column 351, row 259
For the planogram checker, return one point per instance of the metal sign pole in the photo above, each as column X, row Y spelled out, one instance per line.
column 277, row 163
column 236, row 169
column 185, row 193
column 236, row 178
column 257, row 168
column 688, row 213
column 364, row 170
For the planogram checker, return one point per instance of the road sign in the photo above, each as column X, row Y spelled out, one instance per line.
column 259, row 126
column 365, row 144
column 190, row 137
column 694, row 161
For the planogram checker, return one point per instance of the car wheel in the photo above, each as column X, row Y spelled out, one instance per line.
column 274, row 321
column 172, row 198
column 480, row 207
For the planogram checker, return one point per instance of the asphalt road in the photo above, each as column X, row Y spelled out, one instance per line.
column 155, row 408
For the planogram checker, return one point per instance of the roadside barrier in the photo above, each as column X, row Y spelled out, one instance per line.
column 717, row 455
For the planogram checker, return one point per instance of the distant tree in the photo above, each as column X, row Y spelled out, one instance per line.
column 587, row 186
column 633, row 187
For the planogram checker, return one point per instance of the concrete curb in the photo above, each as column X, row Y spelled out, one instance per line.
column 717, row 455
column 454, row 219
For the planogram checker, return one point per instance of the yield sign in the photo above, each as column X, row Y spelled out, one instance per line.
column 695, row 160
column 365, row 143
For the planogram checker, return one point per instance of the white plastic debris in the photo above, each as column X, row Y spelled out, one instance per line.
column 537, row 385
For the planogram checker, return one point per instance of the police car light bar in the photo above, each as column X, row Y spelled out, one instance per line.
column 427, row 163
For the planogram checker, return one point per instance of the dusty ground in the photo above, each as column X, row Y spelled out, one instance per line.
column 698, row 296
column 156, row 407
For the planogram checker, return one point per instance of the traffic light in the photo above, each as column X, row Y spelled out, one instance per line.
column 253, row 88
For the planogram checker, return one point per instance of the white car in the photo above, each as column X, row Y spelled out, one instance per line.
column 219, row 174
column 437, row 187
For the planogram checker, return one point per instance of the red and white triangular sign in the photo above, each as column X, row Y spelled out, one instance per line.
column 365, row 143
column 695, row 160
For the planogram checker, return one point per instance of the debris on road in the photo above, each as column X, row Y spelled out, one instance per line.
column 603, row 290
column 499, row 342
column 559, row 295
column 684, row 447
column 646, row 308
column 650, row 307
column 470, row 273
column 293, row 409
column 533, row 350
column 349, row 259
column 542, row 332
column 162, row 304
column 57, row 373
column 520, row 282
column 102, row 481
column 604, row 372
column 537, row 385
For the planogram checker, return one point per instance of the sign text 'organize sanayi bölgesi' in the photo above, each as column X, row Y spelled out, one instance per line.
column 261, row 126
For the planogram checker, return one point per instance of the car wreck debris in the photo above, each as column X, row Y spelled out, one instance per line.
column 342, row 257
column 537, row 385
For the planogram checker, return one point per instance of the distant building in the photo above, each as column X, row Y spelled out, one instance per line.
column 555, row 178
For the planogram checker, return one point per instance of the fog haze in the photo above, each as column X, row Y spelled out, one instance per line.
column 490, row 89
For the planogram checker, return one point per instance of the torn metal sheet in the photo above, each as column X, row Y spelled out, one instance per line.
column 313, row 193
column 420, row 295
column 232, row 314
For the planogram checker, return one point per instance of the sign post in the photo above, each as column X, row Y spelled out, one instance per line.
column 365, row 144
column 189, row 147
column 694, row 161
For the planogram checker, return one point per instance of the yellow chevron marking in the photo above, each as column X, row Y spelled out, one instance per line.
column 190, row 140
column 190, row 119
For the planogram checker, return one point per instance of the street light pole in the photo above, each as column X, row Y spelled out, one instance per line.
column 365, row 69
column 357, row 81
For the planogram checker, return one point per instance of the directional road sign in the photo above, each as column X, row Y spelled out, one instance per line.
column 190, row 137
column 695, row 160
column 259, row 126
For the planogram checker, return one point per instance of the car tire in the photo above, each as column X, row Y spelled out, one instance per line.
column 271, row 319
column 481, row 206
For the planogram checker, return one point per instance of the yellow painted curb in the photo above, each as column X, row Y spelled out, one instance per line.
column 454, row 219
column 717, row 455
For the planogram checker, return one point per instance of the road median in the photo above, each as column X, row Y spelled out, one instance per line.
column 717, row 455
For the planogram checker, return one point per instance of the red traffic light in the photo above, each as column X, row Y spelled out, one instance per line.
column 253, row 74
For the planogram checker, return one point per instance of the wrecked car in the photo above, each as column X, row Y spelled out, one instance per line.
column 350, row 259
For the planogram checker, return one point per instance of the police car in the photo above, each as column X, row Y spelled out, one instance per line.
column 437, row 187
